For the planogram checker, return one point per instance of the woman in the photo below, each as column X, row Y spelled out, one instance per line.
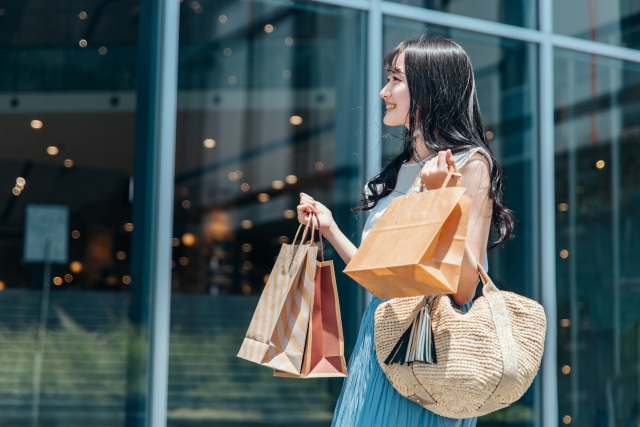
column 431, row 91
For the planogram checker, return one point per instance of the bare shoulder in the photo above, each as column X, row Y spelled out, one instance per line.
column 477, row 164
column 476, row 173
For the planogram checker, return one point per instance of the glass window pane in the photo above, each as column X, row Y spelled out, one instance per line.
column 270, row 104
column 613, row 22
column 597, row 154
column 505, row 72
column 67, row 102
column 522, row 13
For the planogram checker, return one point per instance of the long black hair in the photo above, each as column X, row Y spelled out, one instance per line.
column 444, row 111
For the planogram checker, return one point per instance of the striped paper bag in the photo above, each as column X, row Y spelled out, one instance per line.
column 324, row 350
column 278, row 329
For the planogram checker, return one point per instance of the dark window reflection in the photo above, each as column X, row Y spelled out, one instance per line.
column 67, row 115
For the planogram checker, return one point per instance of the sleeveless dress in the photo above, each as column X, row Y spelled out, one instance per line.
column 368, row 399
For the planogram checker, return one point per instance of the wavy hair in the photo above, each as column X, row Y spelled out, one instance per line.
column 444, row 111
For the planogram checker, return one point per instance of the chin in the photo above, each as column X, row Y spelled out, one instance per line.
column 389, row 121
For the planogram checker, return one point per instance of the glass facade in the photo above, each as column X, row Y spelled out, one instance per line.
column 597, row 150
column 522, row 13
column 272, row 100
column 616, row 22
column 269, row 105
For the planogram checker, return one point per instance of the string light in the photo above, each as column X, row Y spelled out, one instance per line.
column 102, row 50
column 82, row 43
column 278, row 185
column 289, row 214
column 268, row 28
column 295, row 120
column 75, row 266
column 291, row 179
column 288, row 41
column 263, row 197
column 52, row 150
column 188, row 239
column 82, row 15
column 319, row 166
column 36, row 124
column 246, row 224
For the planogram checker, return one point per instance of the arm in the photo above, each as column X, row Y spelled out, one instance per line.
column 476, row 179
column 330, row 229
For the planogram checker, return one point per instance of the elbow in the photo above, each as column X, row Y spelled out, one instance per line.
column 466, row 291
column 462, row 299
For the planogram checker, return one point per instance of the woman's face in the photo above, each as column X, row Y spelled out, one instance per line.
column 396, row 96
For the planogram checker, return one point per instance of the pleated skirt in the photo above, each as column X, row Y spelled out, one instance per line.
column 369, row 400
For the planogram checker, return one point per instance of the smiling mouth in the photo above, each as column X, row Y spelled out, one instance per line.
column 390, row 107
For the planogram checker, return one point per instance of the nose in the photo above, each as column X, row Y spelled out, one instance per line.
column 385, row 92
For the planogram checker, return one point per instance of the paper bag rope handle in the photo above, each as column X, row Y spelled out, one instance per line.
column 450, row 174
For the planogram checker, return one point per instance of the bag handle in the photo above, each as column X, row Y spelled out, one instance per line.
column 320, row 234
column 304, row 234
column 500, row 315
column 450, row 174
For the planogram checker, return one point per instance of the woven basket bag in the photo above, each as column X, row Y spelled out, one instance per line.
column 485, row 359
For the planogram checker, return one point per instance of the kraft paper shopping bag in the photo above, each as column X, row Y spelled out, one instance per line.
column 417, row 245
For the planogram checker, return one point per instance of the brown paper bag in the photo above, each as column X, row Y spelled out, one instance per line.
column 278, row 329
column 324, row 350
column 417, row 245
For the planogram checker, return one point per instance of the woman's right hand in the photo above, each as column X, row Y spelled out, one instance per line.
column 308, row 205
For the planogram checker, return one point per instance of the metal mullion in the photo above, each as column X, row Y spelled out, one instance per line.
column 350, row 4
column 147, row 373
column 373, row 144
column 547, row 218
column 595, row 48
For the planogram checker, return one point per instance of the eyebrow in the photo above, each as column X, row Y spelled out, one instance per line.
column 395, row 70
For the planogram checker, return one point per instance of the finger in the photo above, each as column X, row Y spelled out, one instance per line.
column 450, row 160
column 306, row 195
column 312, row 205
column 442, row 160
column 307, row 207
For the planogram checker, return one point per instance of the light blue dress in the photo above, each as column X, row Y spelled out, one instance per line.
column 368, row 399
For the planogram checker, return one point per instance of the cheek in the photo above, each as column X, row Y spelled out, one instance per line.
column 402, row 97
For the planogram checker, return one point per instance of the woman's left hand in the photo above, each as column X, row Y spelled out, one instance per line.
column 435, row 171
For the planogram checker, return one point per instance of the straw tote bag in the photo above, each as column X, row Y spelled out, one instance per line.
column 484, row 360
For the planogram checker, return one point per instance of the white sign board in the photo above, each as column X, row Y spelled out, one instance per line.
column 46, row 225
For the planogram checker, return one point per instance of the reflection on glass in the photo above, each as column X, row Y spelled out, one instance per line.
column 270, row 97
column 67, row 118
column 505, row 72
column 522, row 13
column 597, row 234
column 614, row 21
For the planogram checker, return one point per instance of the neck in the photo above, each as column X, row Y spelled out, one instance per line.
column 420, row 150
